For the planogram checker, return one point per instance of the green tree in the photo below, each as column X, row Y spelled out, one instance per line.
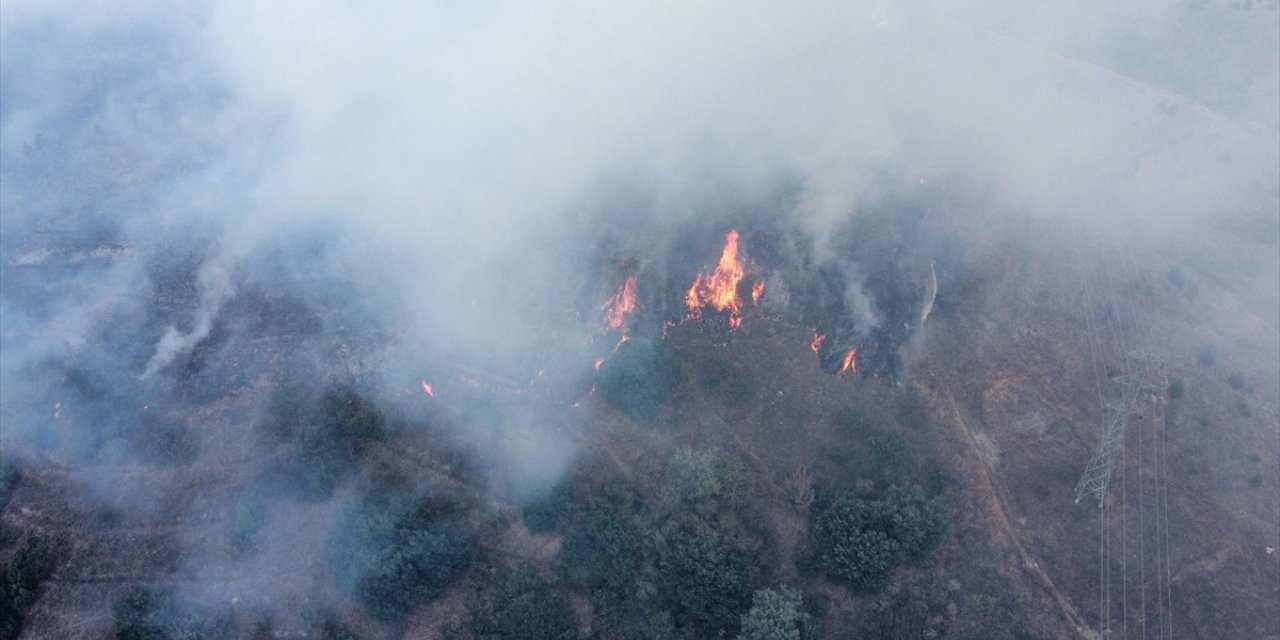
column 137, row 616
column 667, row 561
column 21, row 577
column 639, row 378
column 602, row 555
column 859, row 540
column 144, row 614
column 522, row 607
column 707, row 577
column 776, row 614
column 392, row 553
column 317, row 445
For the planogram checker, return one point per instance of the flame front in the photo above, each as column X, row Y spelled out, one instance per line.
column 850, row 362
column 720, row 289
column 620, row 305
column 691, row 298
column 818, row 339
column 428, row 389
column 757, row 292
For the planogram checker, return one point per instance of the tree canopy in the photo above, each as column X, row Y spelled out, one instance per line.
column 860, row 540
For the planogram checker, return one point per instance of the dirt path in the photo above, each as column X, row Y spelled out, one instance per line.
column 993, row 499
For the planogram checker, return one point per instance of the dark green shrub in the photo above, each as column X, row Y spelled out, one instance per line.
column 858, row 540
column 707, row 578
column 522, row 607
column 776, row 614
column 393, row 554
column 31, row 564
column 543, row 515
column 666, row 561
column 897, row 622
column 1236, row 381
column 1176, row 389
column 144, row 614
column 601, row 555
column 317, row 445
column 891, row 451
column 137, row 616
column 639, row 378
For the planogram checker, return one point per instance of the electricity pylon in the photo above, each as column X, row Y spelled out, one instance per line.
column 1097, row 476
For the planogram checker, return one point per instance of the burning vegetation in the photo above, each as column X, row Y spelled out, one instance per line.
column 405, row 516
column 620, row 305
column 718, row 291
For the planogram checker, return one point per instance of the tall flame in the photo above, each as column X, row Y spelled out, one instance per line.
column 719, row 290
column 850, row 362
column 757, row 292
column 691, row 298
column 620, row 305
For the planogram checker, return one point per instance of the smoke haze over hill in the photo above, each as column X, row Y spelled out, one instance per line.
column 206, row 204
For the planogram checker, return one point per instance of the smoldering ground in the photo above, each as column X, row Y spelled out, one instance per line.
column 217, row 218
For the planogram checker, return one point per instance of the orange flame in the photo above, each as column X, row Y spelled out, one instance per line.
column 621, row 304
column 757, row 292
column 720, row 289
column 691, row 298
column 818, row 338
column 850, row 361
column 428, row 389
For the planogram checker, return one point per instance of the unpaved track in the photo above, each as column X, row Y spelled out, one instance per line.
column 994, row 502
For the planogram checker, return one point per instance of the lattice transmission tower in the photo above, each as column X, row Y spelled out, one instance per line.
column 1097, row 476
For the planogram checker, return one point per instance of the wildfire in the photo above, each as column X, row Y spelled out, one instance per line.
column 599, row 362
column 691, row 298
column 620, row 305
column 57, row 411
column 850, row 362
column 428, row 389
column 818, row 339
column 757, row 292
column 719, row 290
